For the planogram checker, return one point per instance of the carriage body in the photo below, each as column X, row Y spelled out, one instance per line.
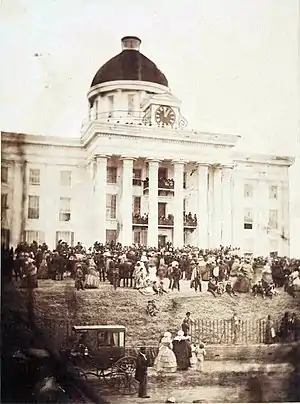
column 99, row 351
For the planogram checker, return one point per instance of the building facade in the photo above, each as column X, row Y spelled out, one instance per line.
column 137, row 174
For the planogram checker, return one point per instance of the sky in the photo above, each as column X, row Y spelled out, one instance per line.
column 233, row 63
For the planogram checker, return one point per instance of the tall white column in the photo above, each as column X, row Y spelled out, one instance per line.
column 202, row 213
column 227, row 206
column 152, row 239
column 17, row 208
column 238, row 208
column 217, row 210
column 100, row 198
column 91, row 176
column 261, row 243
column 178, row 237
column 126, row 201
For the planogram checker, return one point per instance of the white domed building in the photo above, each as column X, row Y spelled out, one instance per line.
column 137, row 174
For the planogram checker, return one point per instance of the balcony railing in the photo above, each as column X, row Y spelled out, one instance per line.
column 189, row 221
column 162, row 183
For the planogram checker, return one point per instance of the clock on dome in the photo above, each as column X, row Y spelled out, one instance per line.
column 165, row 115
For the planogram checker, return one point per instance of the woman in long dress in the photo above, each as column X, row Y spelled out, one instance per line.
column 182, row 351
column 166, row 359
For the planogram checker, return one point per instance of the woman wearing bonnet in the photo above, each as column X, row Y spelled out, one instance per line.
column 182, row 350
column 166, row 359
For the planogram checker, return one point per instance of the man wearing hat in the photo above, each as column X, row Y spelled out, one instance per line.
column 141, row 372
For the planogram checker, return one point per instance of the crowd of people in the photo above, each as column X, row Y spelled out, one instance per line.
column 153, row 270
column 189, row 220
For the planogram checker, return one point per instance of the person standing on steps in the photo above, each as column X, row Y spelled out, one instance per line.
column 141, row 372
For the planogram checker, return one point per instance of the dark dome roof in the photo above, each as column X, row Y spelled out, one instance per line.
column 130, row 64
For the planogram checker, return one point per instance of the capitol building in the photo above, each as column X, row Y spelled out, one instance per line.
column 138, row 174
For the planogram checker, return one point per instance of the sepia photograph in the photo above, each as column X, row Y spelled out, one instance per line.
column 150, row 201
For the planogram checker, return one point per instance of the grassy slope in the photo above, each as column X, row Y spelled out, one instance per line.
column 59, row 301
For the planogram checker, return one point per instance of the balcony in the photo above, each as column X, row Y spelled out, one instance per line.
column 140, row 221
column 165, row 186
column 189, row 221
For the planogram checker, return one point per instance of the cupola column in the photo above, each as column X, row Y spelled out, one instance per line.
column 126, row 201
column 152, row 238
column 100, row 197
column 178, row 235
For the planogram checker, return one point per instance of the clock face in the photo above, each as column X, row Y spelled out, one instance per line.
column 165, row 115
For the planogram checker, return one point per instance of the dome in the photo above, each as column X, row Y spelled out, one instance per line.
column 130, row 64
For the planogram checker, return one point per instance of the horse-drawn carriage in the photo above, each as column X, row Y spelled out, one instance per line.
column 98, row 351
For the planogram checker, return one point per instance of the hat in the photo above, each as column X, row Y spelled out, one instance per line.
column 167, row 334
column 180, row 333
column 175, row 263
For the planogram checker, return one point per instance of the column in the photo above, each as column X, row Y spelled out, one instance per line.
column 126, row 201
column 91, row 175
column 238, row 209
column 227, row 206
column 17, row 208
column 217, row 209
column 152, row 239
column 178, row 235
column 100, row 198
column 202, row 213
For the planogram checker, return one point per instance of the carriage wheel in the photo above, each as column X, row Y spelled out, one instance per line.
column 122, row 375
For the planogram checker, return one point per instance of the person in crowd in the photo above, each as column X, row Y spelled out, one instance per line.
column 115, row 274
column 196, row 277
column 200, row 354
column 187, row 323
column 141, row 372
column 295, row 327
column 139, row 275
column 229, row 289
column 235, row 327
column 182, row 350
column 30, row 274
column 151, row 308
column 175, row 275
column 212, row 286
column 79, row 278
column 270, row 331
column 166, row 359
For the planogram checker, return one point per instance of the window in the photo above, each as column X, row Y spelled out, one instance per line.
column 4, row 175
column 111, row 207
column 273, row 219
column 96, row 109
column 34, row 176
column 130, row 104
column 248, row 191
column 137, row 176
column 248, row 219
column 34, row 235
column 137, row 237
column 162, row 209
column 163, row 173
column 33, row 207
column 184, row 180
column 65, row 178
column 3, row 206
column 66, row 236
column 273, row 192
column 184, row 205
column 65, row 210
column 111, row 175
column 111, row 236
column 137, row 205
column 110, row 105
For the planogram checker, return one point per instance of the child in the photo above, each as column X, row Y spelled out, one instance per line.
column 200, row 353
column 193, row 359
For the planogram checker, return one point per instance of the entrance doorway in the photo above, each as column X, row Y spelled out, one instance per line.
column 162, row 241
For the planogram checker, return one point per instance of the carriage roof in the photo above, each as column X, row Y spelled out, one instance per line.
column 112, row 328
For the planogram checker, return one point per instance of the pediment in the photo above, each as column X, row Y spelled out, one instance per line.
column 161, row 99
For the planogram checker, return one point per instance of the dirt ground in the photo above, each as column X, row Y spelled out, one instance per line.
column 59, row 301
